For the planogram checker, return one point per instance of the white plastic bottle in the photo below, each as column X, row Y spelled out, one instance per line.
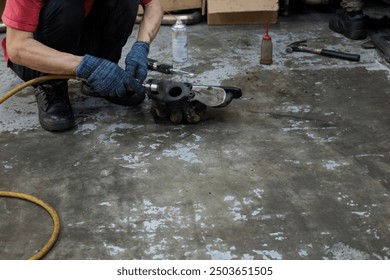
column 179, row 42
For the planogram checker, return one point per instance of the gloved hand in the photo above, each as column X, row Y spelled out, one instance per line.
column 105, row 77
column 189, row 111
column 137, row 64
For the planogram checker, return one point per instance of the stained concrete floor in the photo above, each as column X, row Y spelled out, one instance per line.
column 299, row 168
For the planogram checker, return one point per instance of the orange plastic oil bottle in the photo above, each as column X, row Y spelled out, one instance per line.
column 266, row 49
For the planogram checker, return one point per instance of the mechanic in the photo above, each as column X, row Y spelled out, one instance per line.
column 81, row 38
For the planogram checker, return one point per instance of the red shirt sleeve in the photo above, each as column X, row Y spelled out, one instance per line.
column 144, row 2
column 88, row 6
column 22, row 14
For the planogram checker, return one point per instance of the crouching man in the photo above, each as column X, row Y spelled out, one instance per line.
column 81, row 38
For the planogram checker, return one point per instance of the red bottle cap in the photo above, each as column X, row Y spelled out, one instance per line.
column 266, row 36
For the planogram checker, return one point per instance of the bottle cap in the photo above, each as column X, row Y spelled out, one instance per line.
column 266, row 36
column 179, row 23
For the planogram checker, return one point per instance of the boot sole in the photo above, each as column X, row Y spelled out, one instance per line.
column 57, row 126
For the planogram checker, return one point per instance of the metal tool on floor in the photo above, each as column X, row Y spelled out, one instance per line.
column 167, row 97
column 174, row 92
column 179, row 100
column 301, row 46
column 166, row 68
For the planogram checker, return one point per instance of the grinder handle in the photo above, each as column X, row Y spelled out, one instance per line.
column 159, row 67
column 342, row 55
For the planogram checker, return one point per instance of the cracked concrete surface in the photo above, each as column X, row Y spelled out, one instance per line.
column 299, row 168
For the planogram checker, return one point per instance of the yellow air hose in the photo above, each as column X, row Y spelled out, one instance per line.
column 56, row 220
column 33, row 82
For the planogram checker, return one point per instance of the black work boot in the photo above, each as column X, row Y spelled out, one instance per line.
column 55, row 112
column 130, row 99
column 352, row 25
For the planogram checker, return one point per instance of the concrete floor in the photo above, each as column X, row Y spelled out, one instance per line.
column 299, row 168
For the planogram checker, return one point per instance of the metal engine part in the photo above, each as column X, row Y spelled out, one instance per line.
column 177, row 92
column 169, row 91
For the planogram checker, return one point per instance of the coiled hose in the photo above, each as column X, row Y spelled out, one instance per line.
column 52, row 212
column 56, row 220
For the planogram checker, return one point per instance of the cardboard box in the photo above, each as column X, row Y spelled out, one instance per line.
column 178, row 5
column 224, row 12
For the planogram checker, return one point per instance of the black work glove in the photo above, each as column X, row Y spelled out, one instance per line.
column 191, row 112
column 105, row 77
column 137, row 64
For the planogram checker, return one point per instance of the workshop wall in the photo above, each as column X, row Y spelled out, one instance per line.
column 178, row 5
column 2, row 5
column 224, row 12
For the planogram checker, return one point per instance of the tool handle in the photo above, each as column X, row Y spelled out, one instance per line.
column 152, row 64
column 342, row 55
column 163, row 68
